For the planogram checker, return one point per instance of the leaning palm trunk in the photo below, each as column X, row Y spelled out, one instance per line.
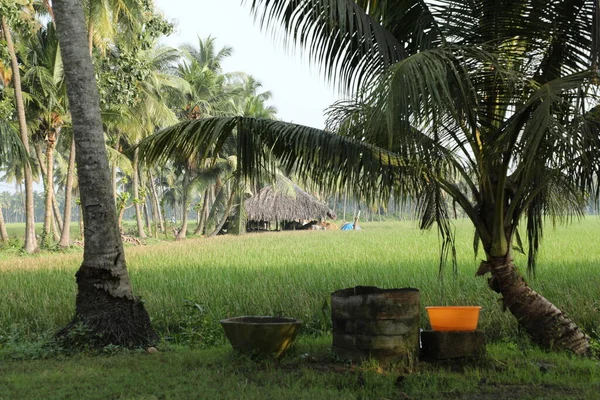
column 226, row 213
column 105, row 303
column 3, row 233
column 30, row 240
column 57, row 217
column 65, row 237
column 547, row 325
column 203, row 213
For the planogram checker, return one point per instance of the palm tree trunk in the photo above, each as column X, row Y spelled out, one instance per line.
column 202, row 220
column 114, row 173
column 3, row 233
column 156, row 211
column 57, row 217
column 65, row 237
column 136, row 195
column 547, row 325
column 356, row 218
column 48, row 209
column 46, row 229
column 226, row 213
column 105, row 303
column 30, row 240
column 185, row 203
column 147, row 218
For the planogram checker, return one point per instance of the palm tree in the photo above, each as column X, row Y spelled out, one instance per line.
column 503, row 95
column 30, row 240
column 44, row 82
column 252, row 102
column 105, row 302
column 10, row 146
column 151, row 110
column 211, row 92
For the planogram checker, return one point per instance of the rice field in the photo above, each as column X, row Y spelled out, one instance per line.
column 293, row 274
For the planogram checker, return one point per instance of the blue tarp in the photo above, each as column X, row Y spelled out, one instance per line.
column 349, row 226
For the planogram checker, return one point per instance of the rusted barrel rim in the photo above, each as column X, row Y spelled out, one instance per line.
column 368, row 290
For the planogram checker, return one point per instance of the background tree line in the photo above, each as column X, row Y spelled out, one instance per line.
column 143, row 87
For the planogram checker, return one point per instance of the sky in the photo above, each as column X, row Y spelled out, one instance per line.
column 300, row 93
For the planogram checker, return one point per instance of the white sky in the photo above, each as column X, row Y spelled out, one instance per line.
column 300, row 94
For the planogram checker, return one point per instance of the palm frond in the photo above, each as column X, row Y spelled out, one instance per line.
column 349, row 44
column 11, row 146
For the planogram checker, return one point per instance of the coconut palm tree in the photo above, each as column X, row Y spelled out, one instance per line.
column 10, row 147
column 105, row 302
column 151, row 110
column 30, row 244
column 47, row 114
column 503, row 95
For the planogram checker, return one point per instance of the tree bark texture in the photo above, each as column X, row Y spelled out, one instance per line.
column 47, row 227
column 147, row 218
column 136, row 195
column 55, row 211
column 184, row 204
column 30, row 240
column 114, row 168
column 226, row 213
column 548, row 326
column 202, row 220
column 65, row 237
column 105, row 303
column 3, row 233
column 156, row 212
column 48, row 206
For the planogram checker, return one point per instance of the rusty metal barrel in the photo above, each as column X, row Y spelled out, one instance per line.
column 369, row 322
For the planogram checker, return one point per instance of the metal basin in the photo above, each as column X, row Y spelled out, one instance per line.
column 261, row 335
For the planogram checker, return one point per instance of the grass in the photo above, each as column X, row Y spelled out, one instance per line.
column 293, row 274
column 309, row 371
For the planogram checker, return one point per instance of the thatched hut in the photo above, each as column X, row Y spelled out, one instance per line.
column 279, row 206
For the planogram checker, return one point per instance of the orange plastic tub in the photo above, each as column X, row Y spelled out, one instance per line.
column 453, row 318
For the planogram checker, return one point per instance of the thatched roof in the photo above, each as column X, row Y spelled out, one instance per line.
column 271, row 204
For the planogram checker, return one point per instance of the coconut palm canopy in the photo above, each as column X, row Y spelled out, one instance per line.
column 273, row 204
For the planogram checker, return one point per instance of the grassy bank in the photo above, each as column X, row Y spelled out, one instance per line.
column 293, row 274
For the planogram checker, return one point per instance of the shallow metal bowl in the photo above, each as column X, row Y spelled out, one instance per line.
column 261, row 334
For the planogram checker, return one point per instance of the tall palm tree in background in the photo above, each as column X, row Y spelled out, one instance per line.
column 253, row 102
column 17, row 14
column 44, row 82
column 10, row 147
column 149, row 112
column 211, row 93
column 489, row 105
column 214, row 93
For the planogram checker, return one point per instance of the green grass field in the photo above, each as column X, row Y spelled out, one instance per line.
column 307, row 372
column 293, row 274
